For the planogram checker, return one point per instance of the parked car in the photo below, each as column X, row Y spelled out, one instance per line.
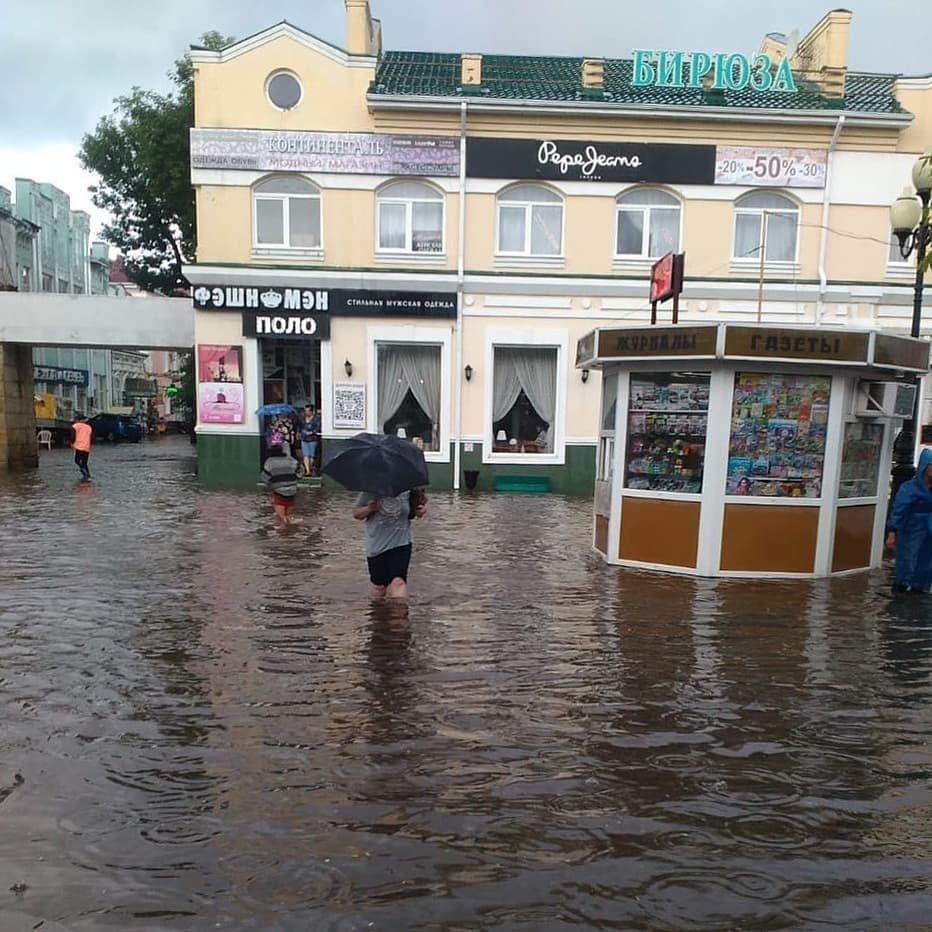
column 116, row 427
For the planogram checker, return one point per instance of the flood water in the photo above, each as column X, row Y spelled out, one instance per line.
column 207, row 725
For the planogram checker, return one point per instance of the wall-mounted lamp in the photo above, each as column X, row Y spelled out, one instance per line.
column 585, row 375
column 468, row 372
column 348, row 368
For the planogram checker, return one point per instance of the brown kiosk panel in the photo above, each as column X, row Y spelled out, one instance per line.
column 769, row 538
column 601, row 534
column 854, row 529
column 659, row 531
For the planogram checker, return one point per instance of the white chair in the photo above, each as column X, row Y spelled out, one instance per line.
column 44, row 436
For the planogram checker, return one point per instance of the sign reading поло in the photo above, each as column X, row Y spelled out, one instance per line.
column 337, row 301
column 286, row 326
column 340, row 153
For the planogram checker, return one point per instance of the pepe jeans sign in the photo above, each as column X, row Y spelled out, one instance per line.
column 583, row 160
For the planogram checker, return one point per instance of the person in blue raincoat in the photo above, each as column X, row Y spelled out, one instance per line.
column 910, row 531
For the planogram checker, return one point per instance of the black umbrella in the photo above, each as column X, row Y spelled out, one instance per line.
column 379, row 463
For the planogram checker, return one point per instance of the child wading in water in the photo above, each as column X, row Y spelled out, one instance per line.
column 281, row 477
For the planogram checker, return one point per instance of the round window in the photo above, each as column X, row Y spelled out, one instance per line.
column 284, row 90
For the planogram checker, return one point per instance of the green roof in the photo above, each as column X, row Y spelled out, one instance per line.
column 526, row 77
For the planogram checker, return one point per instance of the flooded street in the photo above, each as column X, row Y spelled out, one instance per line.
column 207, row 725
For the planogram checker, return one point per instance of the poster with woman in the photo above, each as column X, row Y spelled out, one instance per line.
column 219, row 363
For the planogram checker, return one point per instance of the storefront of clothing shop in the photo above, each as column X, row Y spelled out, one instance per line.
column 369, row 360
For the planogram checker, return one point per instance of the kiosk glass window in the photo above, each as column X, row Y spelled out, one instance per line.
column 606, row 466
column 860, row 461
column 667, row 421
column 778, row 427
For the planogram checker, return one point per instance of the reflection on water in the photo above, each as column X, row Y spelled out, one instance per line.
column 214, row 728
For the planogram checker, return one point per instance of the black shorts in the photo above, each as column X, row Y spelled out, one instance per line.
column 389, row 565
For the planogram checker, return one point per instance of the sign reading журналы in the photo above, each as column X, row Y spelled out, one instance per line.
column 729, row 71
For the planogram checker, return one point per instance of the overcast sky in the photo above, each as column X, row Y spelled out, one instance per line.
column 72, row 57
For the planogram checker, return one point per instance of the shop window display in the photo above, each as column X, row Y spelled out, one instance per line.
column 667, row 421
column 860, row 462
column 778, row 426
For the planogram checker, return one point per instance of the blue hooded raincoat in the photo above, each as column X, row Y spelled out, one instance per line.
column 911, row 518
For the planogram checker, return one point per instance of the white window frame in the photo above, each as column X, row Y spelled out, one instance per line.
column 408, row 203
column 753, row 261
column 268, row 84
column 284, row 250
column 528, row 207
column 410, row 333
column 524, row 339
column 646, row 210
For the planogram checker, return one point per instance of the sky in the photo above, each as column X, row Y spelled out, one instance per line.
column 73, row 57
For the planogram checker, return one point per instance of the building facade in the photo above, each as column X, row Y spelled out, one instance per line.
column 416, row 241
column 54, row 254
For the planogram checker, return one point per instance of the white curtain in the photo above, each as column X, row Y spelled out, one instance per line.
column 505, row 384
column 393, row 232
column 747, row 235
column 393, row 386
column 511, row 228
column 421, row 367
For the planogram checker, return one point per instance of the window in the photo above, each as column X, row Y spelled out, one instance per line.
column 606, row 463
column 287, row 213
column 410, row 218
column 530, row 221
column 284, row 90
column 409, row 391
column 778, row 433
column 667, row 421
column 765, row 220
column 524, row 397
column 647, row 223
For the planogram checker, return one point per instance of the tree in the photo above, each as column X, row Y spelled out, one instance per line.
column 142, row 154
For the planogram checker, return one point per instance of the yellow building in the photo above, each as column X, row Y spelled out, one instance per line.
column 418, row 240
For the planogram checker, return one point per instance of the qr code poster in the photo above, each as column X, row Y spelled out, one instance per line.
column 349, row 405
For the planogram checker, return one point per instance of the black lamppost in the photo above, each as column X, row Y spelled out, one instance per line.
column 909, row 217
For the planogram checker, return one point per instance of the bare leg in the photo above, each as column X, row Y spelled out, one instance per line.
column 281, row 512
column 376, row 592
column 307, row 466
column 397, row 589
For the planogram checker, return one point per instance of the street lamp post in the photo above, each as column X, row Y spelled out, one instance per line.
column 909, row 217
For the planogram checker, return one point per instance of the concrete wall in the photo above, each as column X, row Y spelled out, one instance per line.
column 96, row 321
column 17, row 433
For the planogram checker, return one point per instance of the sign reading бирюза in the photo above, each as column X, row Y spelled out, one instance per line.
column 729, row 71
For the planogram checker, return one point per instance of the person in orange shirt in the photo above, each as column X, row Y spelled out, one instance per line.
column 83, row 435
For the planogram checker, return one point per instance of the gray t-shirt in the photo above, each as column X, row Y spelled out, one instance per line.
column 389, row 527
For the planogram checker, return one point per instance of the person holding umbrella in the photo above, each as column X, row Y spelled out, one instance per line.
column 388, row 539
column 388, row 473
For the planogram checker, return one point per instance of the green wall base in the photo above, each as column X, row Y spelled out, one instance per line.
column 232, row 460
